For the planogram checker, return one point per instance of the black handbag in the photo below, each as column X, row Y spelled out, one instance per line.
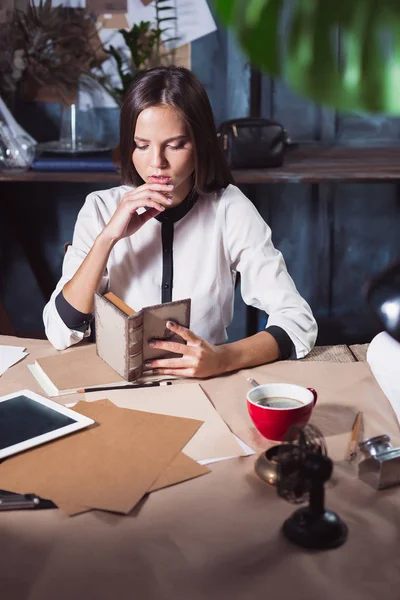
column 253, row 143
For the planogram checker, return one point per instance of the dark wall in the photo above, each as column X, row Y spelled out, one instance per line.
column 333, row 237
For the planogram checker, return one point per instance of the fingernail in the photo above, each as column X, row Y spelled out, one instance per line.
column 147, row 364
column 171, row 185
column 169, row 200
column 170, row 324
column 152, row 343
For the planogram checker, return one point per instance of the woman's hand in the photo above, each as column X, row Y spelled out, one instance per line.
column 200, row 359
column 126, row 221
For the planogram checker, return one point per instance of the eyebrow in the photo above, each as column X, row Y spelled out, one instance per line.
column 172, row 139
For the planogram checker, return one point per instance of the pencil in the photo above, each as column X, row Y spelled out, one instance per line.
column 355, row 437
column 133, row 386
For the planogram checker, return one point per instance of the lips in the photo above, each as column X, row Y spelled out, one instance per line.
column 160, row 179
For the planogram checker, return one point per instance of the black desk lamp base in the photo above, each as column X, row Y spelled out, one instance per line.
column 315, row 532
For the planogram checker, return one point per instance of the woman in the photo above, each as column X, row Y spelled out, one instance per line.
column 178, row 229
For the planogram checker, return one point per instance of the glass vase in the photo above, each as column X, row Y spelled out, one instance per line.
column 16, row 151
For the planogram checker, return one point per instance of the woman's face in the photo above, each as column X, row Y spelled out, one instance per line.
column 164, row 151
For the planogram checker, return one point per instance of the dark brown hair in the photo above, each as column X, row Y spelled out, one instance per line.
column 179, row 88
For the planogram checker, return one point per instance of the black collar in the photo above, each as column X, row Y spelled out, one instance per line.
column 176, row 213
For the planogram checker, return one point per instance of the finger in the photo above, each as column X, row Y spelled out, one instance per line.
column 149, row 214
column 156, row 187
column 165, row 198
column 184, row 332
column 187, row 372
column 167, row 363
column 176, row 347
column 159, row 187
column 134, row 203
column 147, row 203
column 176, row 362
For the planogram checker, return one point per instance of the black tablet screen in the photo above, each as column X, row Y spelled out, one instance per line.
column 21, row 419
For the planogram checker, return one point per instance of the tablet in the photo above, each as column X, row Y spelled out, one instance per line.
column 28, row 419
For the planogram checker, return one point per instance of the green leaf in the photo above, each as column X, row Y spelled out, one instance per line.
column 311, row 65
column 226, row 10
column 363, row 76
column 260, row 28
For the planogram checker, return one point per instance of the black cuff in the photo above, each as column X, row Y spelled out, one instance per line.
column 285, row 344
column 74, row 319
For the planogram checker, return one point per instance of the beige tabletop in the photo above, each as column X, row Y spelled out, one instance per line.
column 217, row 536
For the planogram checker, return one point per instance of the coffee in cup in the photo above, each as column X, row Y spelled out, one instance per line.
column 275, row 407
column 279, row 402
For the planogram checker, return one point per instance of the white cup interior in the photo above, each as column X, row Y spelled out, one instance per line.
column 280, row 390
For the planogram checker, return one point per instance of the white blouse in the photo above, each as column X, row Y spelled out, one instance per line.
column 222, row 234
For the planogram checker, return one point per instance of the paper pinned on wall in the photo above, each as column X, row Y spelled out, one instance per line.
column 112, row 21
column 96, row 7
column 194, row 19
column 65, row 3
column 99, row 7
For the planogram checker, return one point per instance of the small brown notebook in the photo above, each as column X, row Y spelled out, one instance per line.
column 123, row 335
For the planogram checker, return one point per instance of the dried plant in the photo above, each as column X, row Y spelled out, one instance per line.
column 56, row 44
column 9, row 76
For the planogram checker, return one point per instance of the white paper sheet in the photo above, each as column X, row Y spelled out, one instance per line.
column 9, row 356
column 247, row 451
column 383, row 356
column 194, row 19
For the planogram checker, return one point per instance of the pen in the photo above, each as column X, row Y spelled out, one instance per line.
column 355, row 438
column 123, row 387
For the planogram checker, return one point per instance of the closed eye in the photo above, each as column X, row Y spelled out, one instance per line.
column 180, row 147
column 142, row 147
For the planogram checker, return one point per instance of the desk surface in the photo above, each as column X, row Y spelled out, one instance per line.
column 304, row 164
column 217, row 536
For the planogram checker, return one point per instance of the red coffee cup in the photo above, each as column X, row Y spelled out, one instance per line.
column 275, row 407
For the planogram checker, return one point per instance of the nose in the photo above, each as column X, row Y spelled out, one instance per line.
column 158, row 160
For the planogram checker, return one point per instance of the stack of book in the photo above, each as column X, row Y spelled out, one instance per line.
column 99, row 162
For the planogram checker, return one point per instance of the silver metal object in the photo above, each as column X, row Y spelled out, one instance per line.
column 375, row 445
column 253, row 382
column 18, row 501
column 266, row 465
column 381, row 467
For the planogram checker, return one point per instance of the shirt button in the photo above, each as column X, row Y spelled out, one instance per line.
column 166, row 286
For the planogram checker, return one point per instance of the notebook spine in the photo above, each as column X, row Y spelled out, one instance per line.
column 134, row 347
